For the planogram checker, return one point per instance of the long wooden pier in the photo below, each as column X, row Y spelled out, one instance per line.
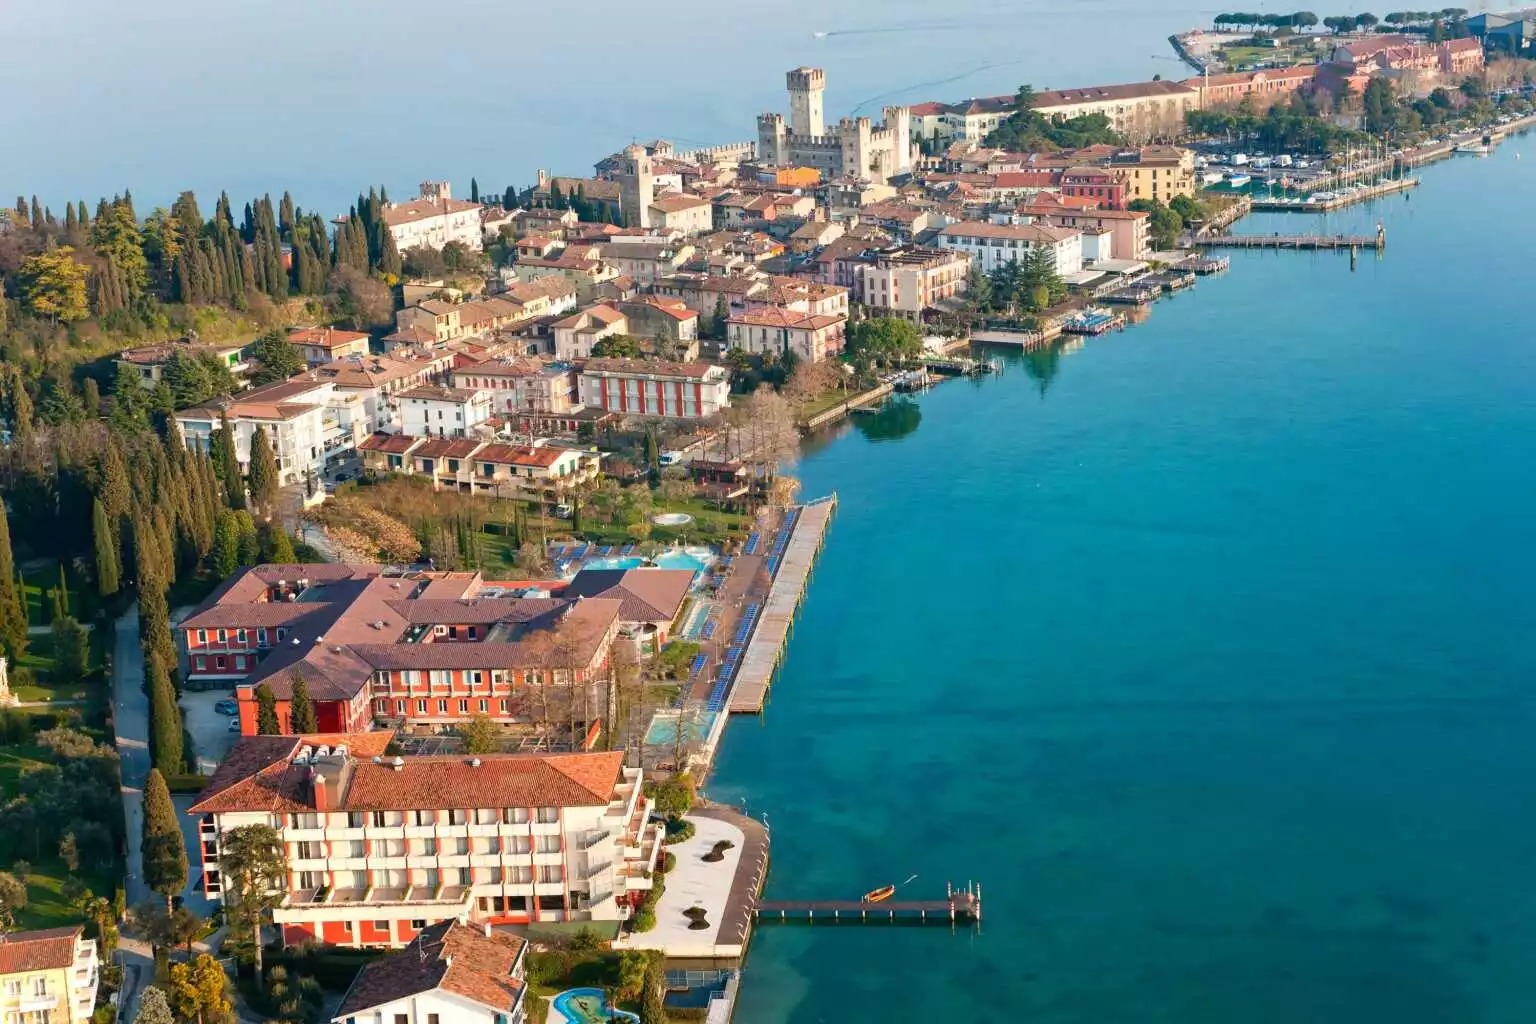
column 766, row 645
column 960, row 906
column 1376, row 241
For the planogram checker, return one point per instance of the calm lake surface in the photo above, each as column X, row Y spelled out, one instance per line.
column 1210, row 656
column 325, row 98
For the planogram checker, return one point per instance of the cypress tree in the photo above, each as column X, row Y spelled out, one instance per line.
column 13, row 617
column 38, row 223
column 267, row 723
column 390, row 263
column 301, row 710
column 90, row 397
column 165, row 854
column 276, row 548
column 60, row 597
column 264, row 480
column 285, row 218
column 226, row 547
column 108, row 569
column 165, row 749
column 227, row 465
column 81, row 217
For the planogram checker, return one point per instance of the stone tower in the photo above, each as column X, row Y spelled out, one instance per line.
column 772, row 140
column 899, row 121
column 637, row 187
column 806, row 86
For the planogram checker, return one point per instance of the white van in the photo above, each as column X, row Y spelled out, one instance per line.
column 670, row 458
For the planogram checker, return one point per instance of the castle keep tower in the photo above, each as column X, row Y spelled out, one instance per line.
column 806, row 86
column 637, row 187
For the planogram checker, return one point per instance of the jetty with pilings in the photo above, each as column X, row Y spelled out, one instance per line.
column 959, row 906
column 791, row 576
column 1376, row 241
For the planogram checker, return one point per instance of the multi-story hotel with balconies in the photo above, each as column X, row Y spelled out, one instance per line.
column 380, row 848
column 425, row 648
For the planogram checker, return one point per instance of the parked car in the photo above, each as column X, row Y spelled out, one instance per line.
column 227, row 707
column 234, row 725
column 564, row 511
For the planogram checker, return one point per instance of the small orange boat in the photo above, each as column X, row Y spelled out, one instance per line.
column 885, row 892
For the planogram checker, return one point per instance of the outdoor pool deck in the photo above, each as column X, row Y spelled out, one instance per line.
column 727, row 890
column 791, row 573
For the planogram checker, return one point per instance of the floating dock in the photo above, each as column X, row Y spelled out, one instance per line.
column 1376, row 191
column 1376, row 241
column 766, row 646
column 961, row 906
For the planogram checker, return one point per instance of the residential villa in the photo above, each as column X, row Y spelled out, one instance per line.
column 434, row 220
column 148, row 361
column 442, row 411
column 327, row 344
column 776, row 331
column 451, row 971
column 48, row 976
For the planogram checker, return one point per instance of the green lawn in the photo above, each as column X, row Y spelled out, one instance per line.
column 46, row 905
column 816, row 406
column 710, row 526
column 1239, row 55
column 39, row 662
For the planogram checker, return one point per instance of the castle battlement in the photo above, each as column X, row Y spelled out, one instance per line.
column 857, row 147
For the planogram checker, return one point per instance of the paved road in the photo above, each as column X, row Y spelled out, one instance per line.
column 131, row 722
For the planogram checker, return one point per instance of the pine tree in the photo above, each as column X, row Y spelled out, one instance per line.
column 267, row 723
column 264, row 479
column 164, row 852
column 165, row 744
column 13, row 618
column 104, row 531
column 301, row 710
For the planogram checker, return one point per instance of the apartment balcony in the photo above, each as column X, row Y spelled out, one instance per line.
column 484, row 831
column 553, row 859
column 343, row 833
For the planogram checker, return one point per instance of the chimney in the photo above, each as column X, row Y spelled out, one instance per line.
column 317, row 790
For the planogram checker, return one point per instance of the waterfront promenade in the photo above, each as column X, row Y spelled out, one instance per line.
column 793, row 573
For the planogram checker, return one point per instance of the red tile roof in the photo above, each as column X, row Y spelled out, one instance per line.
column 467, row 960
column 325, row 337
column 45, row 950
column 393, row 444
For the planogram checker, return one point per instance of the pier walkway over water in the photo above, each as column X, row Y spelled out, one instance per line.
column 1376, row 241
column 792, row 573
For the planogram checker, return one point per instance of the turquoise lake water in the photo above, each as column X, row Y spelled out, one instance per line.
column 1211, row 656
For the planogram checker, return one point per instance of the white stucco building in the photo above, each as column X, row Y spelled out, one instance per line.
column 429, row 411
column 995, row 245
column 309, row 423
column 48, row 976
column 434, row 220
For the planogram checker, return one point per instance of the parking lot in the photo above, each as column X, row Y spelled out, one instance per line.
column 209, row 729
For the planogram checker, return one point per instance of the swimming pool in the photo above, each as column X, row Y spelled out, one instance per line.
column 662, row 732
column 677, row 558
column 588, row 1006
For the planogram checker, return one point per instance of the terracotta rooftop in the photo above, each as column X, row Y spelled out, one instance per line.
column 428, row 393
column 653, row 367
column 785, row 318
column 325, row 337
column 421, row 209
column 470, row 961
column 49, row 949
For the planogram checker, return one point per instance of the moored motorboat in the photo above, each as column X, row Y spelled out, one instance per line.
column 885, row 892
